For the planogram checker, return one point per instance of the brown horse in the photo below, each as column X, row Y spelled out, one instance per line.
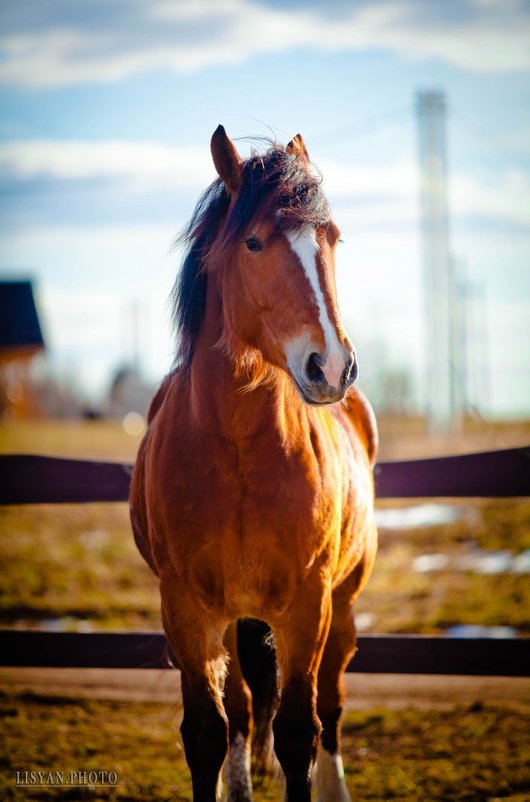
column 252, row 496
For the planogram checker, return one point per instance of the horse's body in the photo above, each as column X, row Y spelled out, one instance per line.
column 252, row 498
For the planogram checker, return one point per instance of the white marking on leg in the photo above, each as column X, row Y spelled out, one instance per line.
column 330, row 778
column 304, row 244
column 237, row 771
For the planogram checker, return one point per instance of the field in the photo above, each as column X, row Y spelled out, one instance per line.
column 473, row 753
column 75, row 567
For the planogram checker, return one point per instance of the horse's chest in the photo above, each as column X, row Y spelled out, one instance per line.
column 254, row 490
column 257, row 533
column 245, row 525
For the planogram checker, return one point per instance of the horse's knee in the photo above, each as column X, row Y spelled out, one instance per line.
column 330, row 719
column 205, row 735
column 296, row 736
column 204, row 732
column 339, row 648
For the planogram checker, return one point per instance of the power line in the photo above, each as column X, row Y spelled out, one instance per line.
column 495, row 142
column 364, row 126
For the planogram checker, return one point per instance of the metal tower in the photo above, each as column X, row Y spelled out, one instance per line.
column 437, row 273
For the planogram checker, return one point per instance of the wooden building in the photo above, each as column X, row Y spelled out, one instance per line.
column 21, row 341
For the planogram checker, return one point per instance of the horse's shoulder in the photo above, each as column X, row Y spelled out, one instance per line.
column 359, row 411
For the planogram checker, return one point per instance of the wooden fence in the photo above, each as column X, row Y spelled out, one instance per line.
column 26, row 479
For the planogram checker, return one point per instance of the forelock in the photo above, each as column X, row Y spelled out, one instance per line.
column 277, row 183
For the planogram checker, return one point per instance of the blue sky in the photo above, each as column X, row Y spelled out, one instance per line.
column 107, row 111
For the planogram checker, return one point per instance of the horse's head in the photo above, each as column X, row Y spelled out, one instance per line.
column 282, row 297
column 271, row 243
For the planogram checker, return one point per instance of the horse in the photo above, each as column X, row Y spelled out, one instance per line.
column 252, row 493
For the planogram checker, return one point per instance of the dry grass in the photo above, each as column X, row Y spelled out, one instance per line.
column 470, row 754
column 402, row 600
column 78, row 563
column 100, row 440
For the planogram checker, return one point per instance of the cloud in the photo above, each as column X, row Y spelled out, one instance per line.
column 508, row 199
column 372, row 195
column 60, row 43
column 390, row 192
column 133, row 163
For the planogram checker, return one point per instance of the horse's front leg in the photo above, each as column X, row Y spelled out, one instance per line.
column 196, row 638
column 300, row 638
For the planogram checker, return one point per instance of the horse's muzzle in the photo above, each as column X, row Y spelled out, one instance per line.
column 313, row 387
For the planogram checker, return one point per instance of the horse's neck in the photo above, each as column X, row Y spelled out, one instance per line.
column 221, row 400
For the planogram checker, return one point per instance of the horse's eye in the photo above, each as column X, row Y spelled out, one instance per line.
column 253, row 244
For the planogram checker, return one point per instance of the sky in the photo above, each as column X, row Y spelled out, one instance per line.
column 107, row 110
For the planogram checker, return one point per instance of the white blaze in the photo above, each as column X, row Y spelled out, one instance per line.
column 304, row 244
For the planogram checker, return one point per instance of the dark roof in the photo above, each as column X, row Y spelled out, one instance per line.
column 19, row 321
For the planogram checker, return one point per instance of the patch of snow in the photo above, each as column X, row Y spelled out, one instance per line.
column 489, row 563
column 420, row 515
column 477, row 631
column 426, row 563
column 364, row 621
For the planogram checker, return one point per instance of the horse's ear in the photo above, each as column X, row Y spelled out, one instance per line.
column 297, row 147
column 226, row 159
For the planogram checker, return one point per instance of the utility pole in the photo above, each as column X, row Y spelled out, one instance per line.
column 439, row 285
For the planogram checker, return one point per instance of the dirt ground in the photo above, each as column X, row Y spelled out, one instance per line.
column 364, row 691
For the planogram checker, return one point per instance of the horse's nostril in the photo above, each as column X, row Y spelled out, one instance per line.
column 313, row 369
column 351, row 371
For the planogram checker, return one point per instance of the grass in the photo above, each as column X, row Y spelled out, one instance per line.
column 103, row 440
column 77, row 563
column 474, row 753
column 137, row 741
column 74, row 562
column 469, row 753
column 402, row 600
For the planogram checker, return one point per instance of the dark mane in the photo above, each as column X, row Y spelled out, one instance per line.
column 275, row 181
column 188, row 296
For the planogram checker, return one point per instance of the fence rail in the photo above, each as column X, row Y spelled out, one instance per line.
column 378, row 654
column 30, row 479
